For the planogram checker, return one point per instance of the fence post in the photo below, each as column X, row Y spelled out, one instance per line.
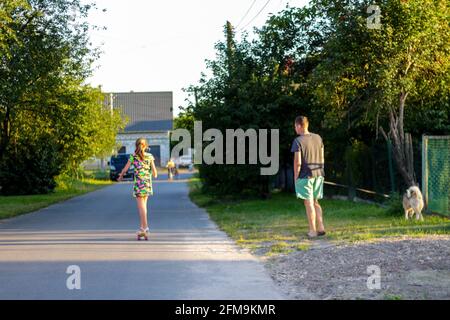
column 425, row 169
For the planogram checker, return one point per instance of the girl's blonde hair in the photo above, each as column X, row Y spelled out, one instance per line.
column 141, row 146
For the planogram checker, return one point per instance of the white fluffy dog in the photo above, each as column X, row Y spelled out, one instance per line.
column 413, row 203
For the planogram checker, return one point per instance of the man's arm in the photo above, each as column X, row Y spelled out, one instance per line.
column 323, row 155
column 297, row 165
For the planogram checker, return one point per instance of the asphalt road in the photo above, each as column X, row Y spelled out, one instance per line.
column 186, row 257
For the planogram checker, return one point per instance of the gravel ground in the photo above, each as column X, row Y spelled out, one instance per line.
column 411, row 268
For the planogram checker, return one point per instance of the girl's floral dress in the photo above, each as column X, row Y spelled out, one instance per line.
column 142, row 174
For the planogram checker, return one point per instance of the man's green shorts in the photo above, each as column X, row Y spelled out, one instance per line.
column 311, row 188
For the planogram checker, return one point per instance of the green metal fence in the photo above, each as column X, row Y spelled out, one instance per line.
column 436, row 173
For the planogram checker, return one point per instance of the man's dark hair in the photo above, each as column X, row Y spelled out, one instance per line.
column 302, row 121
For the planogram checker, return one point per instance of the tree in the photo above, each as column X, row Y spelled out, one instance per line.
column 368, row 75
column 323, row 61
column 45, row 57
column 82, row 126
column 252, row 84
column 44, row 47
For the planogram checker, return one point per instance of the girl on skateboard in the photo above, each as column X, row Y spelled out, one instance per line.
column 144, row 168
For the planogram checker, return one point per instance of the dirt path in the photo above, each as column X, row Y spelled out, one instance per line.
column 411, row 268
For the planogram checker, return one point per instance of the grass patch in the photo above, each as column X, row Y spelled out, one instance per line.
column 11, row 206
column 280, row 224
column 96, row 174
column 280, row 247
column 303, row 247
column 393, row 297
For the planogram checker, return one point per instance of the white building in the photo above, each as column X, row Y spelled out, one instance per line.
column 150, row 116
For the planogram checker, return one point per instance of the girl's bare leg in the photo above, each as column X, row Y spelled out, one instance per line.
column 142, row 208
column 146, row 210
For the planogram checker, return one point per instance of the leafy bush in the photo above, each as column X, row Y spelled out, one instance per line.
column 30, row 168
column 394, row 205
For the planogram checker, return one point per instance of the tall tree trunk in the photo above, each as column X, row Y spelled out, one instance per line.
column 401, row 142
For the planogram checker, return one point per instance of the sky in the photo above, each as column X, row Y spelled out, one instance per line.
column 151, row 45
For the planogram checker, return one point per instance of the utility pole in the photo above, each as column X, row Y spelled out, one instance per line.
column 230, row 37
column 111, row 106
column 230, row 46
column 111, row 102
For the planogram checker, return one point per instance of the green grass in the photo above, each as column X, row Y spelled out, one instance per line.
column 96, row 174
column 279, row 225
column 11, row 206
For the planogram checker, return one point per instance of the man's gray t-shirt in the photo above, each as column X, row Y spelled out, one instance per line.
column 310, row 147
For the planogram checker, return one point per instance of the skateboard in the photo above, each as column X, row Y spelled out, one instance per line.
column 142, row 234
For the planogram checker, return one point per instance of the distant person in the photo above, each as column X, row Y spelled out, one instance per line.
column 176, row 171
column 170, row 169
column 144, row 168
column 309, row 174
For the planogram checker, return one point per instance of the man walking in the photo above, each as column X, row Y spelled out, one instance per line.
column 309, row 174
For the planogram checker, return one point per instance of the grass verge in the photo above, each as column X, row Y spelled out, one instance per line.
column 279, row 225
column 11, row 206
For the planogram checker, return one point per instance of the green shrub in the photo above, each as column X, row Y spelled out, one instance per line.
column 30, row 168
column 394, row 204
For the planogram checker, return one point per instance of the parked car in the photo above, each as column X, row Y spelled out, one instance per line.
column 116, row 165
column 184, row 161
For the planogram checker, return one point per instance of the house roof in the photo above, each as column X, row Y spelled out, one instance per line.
column 148, row 111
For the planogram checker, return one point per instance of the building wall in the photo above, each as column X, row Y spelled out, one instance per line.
column 161, row 139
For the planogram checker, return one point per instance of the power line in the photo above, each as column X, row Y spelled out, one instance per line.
column 265, row 5
column 246, row 14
